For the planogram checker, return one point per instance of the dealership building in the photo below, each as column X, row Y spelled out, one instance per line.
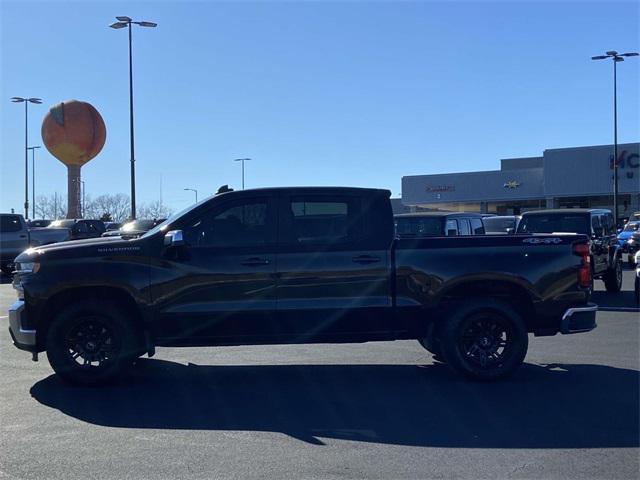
column 561, row 177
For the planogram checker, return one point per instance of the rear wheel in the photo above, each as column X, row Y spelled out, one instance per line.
column 90, row 343
column 484, row 339
column 613, row 277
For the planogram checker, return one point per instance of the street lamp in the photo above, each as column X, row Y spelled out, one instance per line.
column 26, row 102
column 124, row 22
column 33, row 179
column 194, row 191
column 615, row 57
column 242, row 160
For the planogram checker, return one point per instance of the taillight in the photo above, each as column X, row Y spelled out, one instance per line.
column 584, row 273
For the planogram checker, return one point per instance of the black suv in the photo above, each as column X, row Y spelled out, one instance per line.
column 598, row 224
column 81, row 228
column 438, row 224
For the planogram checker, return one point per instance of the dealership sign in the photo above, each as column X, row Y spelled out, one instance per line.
column 511, row 184
column 441, row 188
column 624, row 160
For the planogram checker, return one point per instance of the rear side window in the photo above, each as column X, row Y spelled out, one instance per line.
column 477, row 227
column 10, row 223
column 315, row 220
column 419, row 226
column 465, row 228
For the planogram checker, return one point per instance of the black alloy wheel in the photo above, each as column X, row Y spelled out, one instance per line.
column 486, row 339
column 91, row 343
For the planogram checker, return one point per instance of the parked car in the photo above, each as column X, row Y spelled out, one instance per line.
column 627, row 231
column 15, row 237
column 501, row 225
column 134, row 228
column 39, row 223
column 112, row 226
column 604, row 251
column 81, row 228
column 438, row 224
column 631, row 248
column 636, row 285
column 297, row 265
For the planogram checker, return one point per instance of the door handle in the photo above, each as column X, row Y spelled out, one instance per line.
column 23, row 236
column 364, row 259
column 255, row 262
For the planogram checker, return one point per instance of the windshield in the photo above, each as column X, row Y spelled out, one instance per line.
column 172, row 218
column 555, row 223
column 498, row 224
column 419, row 226
column 62, row 224
column 631, row 227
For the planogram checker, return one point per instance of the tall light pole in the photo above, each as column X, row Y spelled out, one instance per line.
column 33, row 179
column 194, row 191
column 615, row 57
column 26, row 102
column 122, row 23
column 242, row 160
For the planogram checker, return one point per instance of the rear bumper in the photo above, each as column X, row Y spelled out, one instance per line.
column 579, row 319
column 24, row 339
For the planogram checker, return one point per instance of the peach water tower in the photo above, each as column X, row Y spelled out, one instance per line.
column 74, row 133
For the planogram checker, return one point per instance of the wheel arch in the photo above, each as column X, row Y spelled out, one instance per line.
column 120, row 297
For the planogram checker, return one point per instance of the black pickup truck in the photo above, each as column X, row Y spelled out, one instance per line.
column 297, row 265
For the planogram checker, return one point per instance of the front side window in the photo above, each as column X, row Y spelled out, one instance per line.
column 319, row 221
column 238, row 225
column 10, row 223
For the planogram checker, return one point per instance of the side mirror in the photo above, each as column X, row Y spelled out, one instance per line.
column 173, row 238
column 619, row 230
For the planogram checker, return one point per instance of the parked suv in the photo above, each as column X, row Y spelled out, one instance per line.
column 438, row 224
column 604, row 250
column 81, row 228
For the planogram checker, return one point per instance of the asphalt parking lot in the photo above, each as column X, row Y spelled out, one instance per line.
column 377, row 410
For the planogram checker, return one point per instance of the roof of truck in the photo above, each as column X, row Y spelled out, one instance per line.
column 567, row 210
column 439, row 214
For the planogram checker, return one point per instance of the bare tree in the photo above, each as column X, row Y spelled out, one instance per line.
column 51, row 206
column 154, row 210
column 117, row 206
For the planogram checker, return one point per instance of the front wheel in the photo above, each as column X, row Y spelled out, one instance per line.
column 613, row 277
column 484, row 339
column 90, row 343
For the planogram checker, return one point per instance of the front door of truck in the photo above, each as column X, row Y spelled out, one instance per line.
column 333, row 278
column 223, row 282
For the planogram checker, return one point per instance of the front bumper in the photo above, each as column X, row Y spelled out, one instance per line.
column 23, row 338
column 579, row 319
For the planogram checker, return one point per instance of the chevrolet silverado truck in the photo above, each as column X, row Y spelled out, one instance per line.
column 16, row 236
column 291, row 266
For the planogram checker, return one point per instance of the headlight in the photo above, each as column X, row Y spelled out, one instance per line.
column 27, row 267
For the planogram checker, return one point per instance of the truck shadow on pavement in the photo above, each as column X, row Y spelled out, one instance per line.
column 553, row 406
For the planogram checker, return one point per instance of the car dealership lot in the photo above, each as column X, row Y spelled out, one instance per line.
column 377, row 410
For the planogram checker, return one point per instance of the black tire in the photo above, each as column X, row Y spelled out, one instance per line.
column 484, row 339
column 613, row 277
column 7, row 268
column 91, row 343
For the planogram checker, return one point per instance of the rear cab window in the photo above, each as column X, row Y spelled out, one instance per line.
column 555, row 223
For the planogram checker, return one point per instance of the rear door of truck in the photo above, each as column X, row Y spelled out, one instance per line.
column 333, row 266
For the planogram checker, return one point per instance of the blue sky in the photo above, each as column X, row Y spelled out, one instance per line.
column 317, row 93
